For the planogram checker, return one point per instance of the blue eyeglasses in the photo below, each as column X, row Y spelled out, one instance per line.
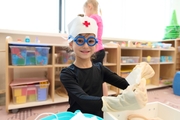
column 81, row 40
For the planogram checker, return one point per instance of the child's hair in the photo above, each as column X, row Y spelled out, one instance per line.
column 81, row 15
column 95, row 4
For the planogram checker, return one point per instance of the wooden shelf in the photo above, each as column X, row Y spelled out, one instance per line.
column 122, row 64
column 35, row 66
column 112, row 63
column 29, row 104
column 166, row 63
column 166, row 69
column 59, row 99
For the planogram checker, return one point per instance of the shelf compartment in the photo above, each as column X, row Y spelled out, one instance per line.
column 151, row 60
column 12, row 106
column 167, row 71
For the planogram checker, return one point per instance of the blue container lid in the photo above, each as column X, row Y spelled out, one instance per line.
column 68, row 115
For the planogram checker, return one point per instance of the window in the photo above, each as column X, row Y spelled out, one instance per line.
column 30, row 15
column 135, row 19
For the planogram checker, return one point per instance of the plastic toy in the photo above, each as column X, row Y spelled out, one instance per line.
column 173, row 30
column 19, row 40
column 42, row 55
column 30, row 58
column 18, row 55
column 27, row 39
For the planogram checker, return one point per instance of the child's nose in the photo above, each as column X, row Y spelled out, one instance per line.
column 85, row 45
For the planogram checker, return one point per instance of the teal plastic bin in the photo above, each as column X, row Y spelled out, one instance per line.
column 68, row 116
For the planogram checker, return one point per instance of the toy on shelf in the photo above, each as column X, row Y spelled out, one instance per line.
column 123, row 44
column 18, row 55
column 29, row 89
column 66, row 57
column 173, row 30
column 166, row 59
column 129, row 59
column 42, row 55
column 30, row 57
column 138, row 44
column 37, row 40
column 27, row 39
column 150, row 59
column 19, row 40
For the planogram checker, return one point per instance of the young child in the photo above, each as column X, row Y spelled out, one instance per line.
column 91, row 10
column 83, row 79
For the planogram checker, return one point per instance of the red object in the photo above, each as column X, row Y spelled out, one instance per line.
column 23, row 91
column 86, row 23
column 15, row 51
column 30, row 92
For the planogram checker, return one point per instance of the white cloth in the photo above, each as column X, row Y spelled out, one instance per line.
column 80, row 116
column 81, row 25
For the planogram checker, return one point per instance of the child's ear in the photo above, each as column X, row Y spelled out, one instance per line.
column 71, row 45
column 90, row 6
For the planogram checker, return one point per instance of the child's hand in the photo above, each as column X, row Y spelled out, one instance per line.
column 132, row 98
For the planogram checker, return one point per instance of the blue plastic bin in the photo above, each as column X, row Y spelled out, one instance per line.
column 68, row 115
column 42, row 55
column 176, row 84
column 18, row 55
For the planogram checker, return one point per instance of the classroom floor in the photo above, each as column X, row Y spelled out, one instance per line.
column 164, row 95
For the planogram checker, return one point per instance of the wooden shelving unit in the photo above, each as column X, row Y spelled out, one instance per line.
column 2, row 90
column 163, row 70
column 52, row 71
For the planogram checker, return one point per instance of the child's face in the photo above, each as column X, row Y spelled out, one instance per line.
column 85, row 51
column 88, row 9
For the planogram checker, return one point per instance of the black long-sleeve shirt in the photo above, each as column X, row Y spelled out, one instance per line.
column 84, row 86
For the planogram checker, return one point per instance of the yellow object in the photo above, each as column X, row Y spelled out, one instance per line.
column 149, row 44
column 43, row 84
column 148, row 58
column 148, row 81
column 21, row 99
column 17, row 92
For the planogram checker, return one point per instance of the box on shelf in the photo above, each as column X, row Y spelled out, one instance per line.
column 166, row 59
column 29, row 89
column 150, row 111
column 31, row 57
column 65, row 57
column 166, row 46
column 42, row 55
column 18, row 55
column 27, row 55
column 161, row 45
column 151, row 59
column 129, row 59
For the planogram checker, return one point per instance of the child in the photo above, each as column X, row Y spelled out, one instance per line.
column 91, row 10
column 83, row 79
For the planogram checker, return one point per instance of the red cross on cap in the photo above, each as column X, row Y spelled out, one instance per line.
column 86, row 23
